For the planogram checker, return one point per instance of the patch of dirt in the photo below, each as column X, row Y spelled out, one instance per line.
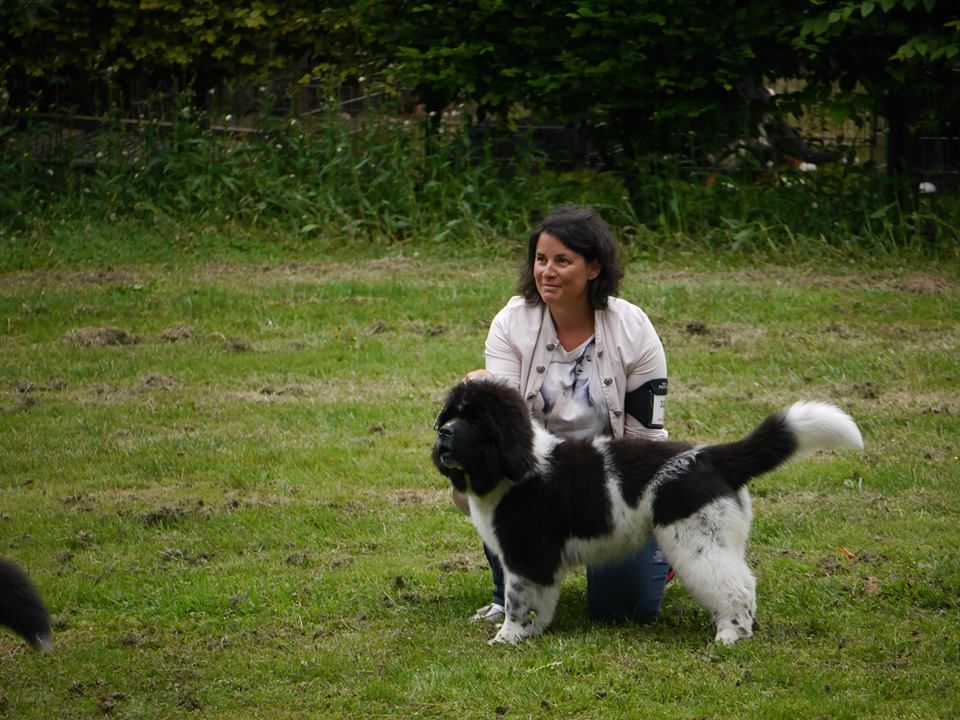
column 840, row 331
column 100, row 337
column 340, row 560
column 384, row 269
column 132, row 639
column 26, row 386
column 72, row 280
column 715, row 336
column 919, row 283
column 182, row 556
column 411, row 496
column 299, row 559
column 108, row 703
column 461, row 562
column 80, row 502
column 348, row 507
column 867, row 390
column 163, row 515
column 290, row 390
column 105, row 391
column 155, row 381
column 238, row 344
column 421, row 328
column 177, row 333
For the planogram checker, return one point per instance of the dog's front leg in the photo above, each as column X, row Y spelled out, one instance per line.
column 529, row 609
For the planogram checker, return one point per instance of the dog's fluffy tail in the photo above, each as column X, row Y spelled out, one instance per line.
column 801, row 429
column 21, row 608
column 819, row 426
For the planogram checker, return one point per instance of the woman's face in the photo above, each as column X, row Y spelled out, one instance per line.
column 562, row 275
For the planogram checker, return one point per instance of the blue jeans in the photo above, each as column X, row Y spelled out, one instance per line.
column 628, row 589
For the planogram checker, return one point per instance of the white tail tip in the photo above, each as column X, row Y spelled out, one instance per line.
column 821, row 426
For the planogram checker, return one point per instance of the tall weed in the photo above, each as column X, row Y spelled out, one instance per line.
column 333, row 180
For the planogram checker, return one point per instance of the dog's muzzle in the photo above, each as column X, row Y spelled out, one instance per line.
column 445, row 442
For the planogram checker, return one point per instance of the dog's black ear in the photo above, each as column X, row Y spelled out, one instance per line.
column 513, row 436
column 518, row 462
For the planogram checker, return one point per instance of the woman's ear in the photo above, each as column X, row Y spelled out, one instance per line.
column 593, row 269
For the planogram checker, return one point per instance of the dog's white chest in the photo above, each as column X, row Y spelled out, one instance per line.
column 481, row 515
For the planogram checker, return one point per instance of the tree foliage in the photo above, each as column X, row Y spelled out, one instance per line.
column 61, row 50
column 904, row 55
column 641, row 70
column 645, row 75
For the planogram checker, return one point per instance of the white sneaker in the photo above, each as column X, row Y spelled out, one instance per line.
column 492, row 613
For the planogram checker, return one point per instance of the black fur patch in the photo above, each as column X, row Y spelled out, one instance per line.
column 721, row 470
column 21, row 608
column 638, row 461
column 761, row 451
column 536, row 518
column 690, row 491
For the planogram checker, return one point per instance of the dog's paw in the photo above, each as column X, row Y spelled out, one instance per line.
column 730, row 634
column 505, row 636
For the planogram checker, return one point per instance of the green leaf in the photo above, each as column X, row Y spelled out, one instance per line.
column 866, row 8
column 882, row 212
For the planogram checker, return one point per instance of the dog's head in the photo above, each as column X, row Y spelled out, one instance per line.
column 484, row 435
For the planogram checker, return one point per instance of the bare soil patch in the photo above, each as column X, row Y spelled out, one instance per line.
column 156, row 381
column 71, row 279
column 100, row 337
column 178, row 333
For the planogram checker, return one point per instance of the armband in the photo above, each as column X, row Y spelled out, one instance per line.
column 647, row 403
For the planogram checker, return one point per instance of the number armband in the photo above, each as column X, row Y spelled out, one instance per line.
column 647, row 403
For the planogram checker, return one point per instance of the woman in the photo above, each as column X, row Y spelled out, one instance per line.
column 588, row 364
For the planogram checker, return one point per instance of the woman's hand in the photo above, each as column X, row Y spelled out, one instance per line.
column 474, row 374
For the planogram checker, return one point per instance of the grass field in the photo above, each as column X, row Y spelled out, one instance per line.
column 217, row 472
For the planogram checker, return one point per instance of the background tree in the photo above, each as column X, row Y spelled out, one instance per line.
column 641, row 77
column 639, row 74
column 900, row 58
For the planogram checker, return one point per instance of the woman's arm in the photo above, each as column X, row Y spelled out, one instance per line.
column 647, row 376
column 500, row 354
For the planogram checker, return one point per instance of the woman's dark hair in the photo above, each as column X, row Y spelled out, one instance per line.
column 582, row 230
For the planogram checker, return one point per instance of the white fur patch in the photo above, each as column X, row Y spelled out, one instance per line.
column 544, row 442
column 820, row 426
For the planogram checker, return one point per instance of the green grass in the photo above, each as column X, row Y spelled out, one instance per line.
column 244, row 522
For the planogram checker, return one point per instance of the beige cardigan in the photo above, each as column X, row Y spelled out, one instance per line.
column 522, row 340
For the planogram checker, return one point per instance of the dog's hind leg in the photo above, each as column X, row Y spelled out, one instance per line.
column 707, row 552
column 529, row 609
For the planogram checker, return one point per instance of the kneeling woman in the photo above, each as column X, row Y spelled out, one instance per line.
column 588, row 364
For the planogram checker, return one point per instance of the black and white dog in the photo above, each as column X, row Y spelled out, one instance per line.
column 21, row 608
column 544, row 505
